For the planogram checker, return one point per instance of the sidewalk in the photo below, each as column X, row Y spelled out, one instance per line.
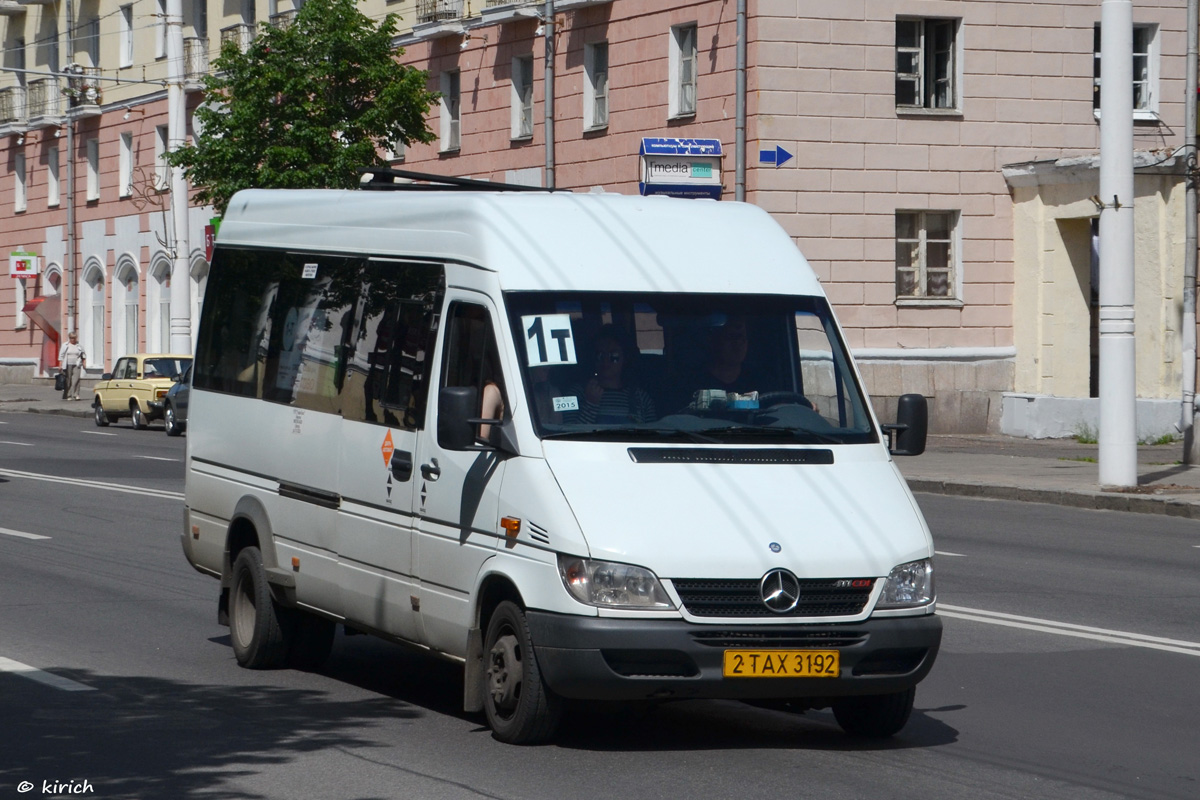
column 1059, row 471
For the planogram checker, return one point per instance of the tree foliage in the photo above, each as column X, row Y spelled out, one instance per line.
column 306, row 106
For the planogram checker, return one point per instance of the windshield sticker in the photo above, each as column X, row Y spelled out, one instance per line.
column 562, row 404
column 548, row 339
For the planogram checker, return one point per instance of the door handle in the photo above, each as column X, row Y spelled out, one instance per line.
column 431, row 471
column 402, row 465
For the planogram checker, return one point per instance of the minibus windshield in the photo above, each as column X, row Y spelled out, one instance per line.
column 728, row 368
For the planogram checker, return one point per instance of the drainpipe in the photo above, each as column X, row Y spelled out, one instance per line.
column 739, row 180
column 181, row 311
column 1188, row 409
column 549, row 25
column 1118, row 377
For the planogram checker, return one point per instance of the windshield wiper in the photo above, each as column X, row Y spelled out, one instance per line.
column 754, row 431
column 641, row 433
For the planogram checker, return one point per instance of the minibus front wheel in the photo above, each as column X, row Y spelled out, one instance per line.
column 874, row 716
column 256, row 621
column 519, row 707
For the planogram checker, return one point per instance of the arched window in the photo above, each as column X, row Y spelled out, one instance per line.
column 125, row 308
column 91, row 313
column 158, row 304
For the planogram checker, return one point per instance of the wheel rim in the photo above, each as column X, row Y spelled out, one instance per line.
column 170, row 418
column 242, row 619
column 139, row 420
column 505, row 674
column 100, row 414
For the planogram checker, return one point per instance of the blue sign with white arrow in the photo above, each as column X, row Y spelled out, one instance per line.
column 778, row 156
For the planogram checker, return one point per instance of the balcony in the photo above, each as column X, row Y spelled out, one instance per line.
column 242, row 34
column 575, row 5
column 12, row 110
column 438, row 10
column 46, row 104
column 195, row 61
column 498, row 12
column 283, row 20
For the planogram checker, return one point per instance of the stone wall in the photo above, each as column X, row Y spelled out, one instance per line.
column 964, row 396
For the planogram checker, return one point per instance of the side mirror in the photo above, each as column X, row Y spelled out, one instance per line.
column 907, row 436
column 456, row 405
column 106, row 376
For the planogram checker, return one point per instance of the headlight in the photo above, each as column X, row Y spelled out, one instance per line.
column 908, row 585
column 609, row 585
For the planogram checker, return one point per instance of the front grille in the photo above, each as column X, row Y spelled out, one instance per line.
column 824, row 597
column 779, row 638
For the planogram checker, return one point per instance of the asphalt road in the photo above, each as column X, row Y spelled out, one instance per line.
column 1070, row 669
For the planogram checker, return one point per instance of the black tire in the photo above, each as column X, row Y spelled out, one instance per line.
column 140, row 423
column 257, row 624
column 311, row 641
column 874, row 716
column 519, row 707
column 101, row 417
column 172, row 425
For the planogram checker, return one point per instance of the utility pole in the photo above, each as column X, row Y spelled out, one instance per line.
column 739, row 147
column 181, row 301
column 548, row 24
column 1118, row 377
column 71, row 312
column 1187, row 417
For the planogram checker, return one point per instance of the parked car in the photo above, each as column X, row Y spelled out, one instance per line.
column 174, row 405
column 136, row 387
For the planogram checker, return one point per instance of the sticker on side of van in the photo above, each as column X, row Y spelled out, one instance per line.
column 549, row 340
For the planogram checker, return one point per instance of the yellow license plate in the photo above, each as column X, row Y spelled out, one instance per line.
column 781, row 664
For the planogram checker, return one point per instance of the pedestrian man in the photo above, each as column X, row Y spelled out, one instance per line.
column 73, row 360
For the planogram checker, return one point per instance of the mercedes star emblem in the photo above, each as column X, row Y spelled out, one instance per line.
column 780, row 591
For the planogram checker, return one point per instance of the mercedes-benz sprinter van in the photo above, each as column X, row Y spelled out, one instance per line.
column 591, row 446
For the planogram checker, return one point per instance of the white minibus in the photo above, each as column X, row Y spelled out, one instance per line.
column 591, row 446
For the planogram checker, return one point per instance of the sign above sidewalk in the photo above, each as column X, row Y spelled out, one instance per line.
column 23, row 265
column 681, row 167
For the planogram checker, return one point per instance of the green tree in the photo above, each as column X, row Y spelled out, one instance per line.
column 306, row 106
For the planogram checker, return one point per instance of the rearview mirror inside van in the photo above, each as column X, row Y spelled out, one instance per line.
column 907, row 436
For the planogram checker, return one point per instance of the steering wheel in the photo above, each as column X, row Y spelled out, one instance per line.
column 770, row 400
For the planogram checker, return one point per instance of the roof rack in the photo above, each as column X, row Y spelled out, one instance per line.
column 384, row 179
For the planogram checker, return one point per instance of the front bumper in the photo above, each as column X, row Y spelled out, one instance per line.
column 591, row 658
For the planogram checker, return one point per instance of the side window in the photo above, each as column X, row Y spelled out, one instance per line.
column 384, row 360
column 121, row 370
column 472, row 359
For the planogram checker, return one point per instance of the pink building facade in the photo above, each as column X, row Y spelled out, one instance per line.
column 933, row 160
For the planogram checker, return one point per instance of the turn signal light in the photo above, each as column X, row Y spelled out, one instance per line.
column 511, row 525
column 295, row 564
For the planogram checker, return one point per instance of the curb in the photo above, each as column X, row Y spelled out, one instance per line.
column 1096, row 500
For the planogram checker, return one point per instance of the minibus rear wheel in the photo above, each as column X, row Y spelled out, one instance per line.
column 874, row 716
column 519, row 706
column 256, row 622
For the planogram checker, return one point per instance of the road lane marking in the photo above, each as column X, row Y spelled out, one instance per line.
column 21, row 534
column 1068, row 629
column 159, row 458
column 99, row 433
column 949, row 555
column 112, row 487
column 48, row 678
column 18, row 444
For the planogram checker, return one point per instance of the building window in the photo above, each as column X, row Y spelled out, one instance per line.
column 125, row 164
column 1145, row 71
column 926, row 247
column 125, row 20
column 522, row 97
column 595, row 87
column 162, row 172
column 160, row 28
column 93, row 169
column 926, row 64
column 90, row 30
column 18, row 181
column 451, row 123
column 52, row 191
column 682, row 66
column 200, row 19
